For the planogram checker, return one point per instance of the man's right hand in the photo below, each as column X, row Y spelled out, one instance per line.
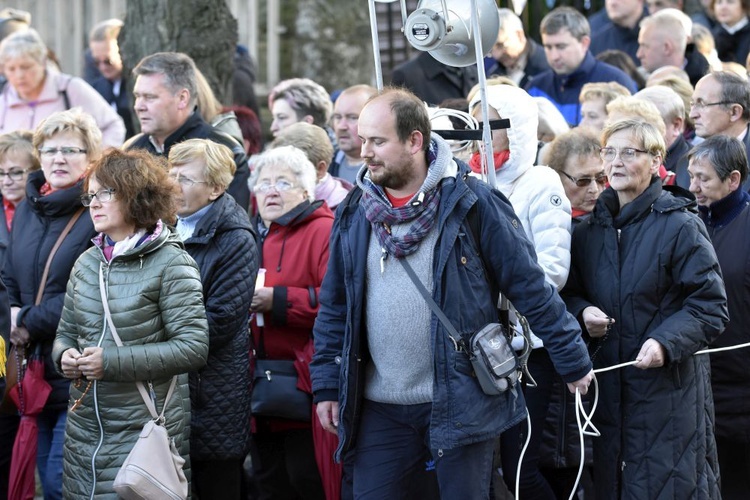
column 597, row 323
column 328, row 414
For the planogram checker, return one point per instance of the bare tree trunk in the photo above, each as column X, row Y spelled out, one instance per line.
column 203, row 29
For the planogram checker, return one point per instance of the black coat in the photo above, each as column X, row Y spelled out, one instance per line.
column 121, row 101
column 433, row 81
column 651, row 267
column 223, row 245
column 196, row 127
column 734, row 47
column 38, row 222
column 728, row 224
column 677, row 161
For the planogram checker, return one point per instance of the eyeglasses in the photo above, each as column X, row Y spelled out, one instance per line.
column 65, row 150
column 186, row 181
column 14, row 175
column 626, row 154
column 600, row 179
column 103, row 195
column 102, row 62
column 700, row 104
column 280, row 185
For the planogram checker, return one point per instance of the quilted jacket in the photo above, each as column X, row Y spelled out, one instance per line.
column 223, row 246
column 156, row 300
column 650, row 266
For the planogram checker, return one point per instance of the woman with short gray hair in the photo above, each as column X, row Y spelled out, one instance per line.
column 34, row 92
column 293, row 239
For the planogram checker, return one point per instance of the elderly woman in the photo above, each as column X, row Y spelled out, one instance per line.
column 34, row 92
column 17, row 160
column 575, row 157
column 718, row 168
column 217, row 234
column 647, row 287
column 294, row 232
column 154, row 293
column 299, row 100
column 65, row 142
column 594, row 98
column 538, row 198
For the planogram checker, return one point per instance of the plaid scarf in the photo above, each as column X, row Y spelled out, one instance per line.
column 420, row 211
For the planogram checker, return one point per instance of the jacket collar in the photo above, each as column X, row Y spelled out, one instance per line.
column 193, row 122
column 56, row 204
column 722, row 212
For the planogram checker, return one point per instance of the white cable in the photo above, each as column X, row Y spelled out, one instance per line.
column 523, row 452
column 469, row 121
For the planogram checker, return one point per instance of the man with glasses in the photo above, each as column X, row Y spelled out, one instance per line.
column 112, row 84
column 721, row 106
column 165, row 95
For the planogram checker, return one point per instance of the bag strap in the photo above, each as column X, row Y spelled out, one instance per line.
column 150, row 401
column 55, row 247
column 452, row 334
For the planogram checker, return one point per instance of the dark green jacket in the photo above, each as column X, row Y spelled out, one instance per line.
column 156, row 300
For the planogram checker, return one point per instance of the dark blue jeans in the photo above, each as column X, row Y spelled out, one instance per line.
column 49, row 456
column 393, row 458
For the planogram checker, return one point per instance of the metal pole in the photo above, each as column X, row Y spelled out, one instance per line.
column 487, row 157
column 376, row 45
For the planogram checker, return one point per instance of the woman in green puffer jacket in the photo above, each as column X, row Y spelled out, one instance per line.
column 156, row 302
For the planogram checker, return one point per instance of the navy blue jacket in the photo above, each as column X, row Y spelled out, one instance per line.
column 734, row 47
column 650, row 266
column 536, row 63
column 38, row 222
column 606, row 35
column 223, row 246
column 461, row 413
column 122, row 101
column 728, row 224
column 563, row 90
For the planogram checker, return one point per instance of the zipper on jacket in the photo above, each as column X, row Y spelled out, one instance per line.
column 95, row 398
column 618, row 235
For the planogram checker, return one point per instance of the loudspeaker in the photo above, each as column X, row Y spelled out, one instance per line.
column 447, row 35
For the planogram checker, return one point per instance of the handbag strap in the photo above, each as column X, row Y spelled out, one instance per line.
column 451, row 332
column 55, row 247
column 150, row 401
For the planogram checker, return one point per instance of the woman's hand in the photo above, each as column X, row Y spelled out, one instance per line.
column 597, row 323
column 91, row 363
column 262, row 299
column 652, row 355
column 19, row 335
column 69, row 363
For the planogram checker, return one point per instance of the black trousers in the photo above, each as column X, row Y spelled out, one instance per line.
column 287, row 469
column 217, row 479
column 734, row 465
column 8, row 428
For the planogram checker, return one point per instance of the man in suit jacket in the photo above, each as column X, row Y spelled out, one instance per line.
column 112, row 85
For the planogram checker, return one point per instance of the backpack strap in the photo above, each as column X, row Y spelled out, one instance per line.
column 64, row 93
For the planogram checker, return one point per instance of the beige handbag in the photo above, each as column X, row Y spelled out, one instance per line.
column 153, row 468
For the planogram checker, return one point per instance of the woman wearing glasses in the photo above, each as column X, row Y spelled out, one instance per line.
column 294, row 232
column 52, row 212
column 646, row 285
column 154, row 292
column 34, row 92
column 575, row 157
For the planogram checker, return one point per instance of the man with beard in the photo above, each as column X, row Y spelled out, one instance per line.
column 386, row 376
column 346, row 160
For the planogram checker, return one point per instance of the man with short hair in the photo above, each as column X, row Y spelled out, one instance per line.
column 672, row 111
column 165, row 95
column 217, row 233
column 566, row 39
column 346, row 160
column 663, row 41
column 721, row 106
column 386, row 376
column 514, row 55
column 112, row 84
column 616, row 27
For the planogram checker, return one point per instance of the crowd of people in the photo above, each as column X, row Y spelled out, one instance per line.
column 151, row 239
